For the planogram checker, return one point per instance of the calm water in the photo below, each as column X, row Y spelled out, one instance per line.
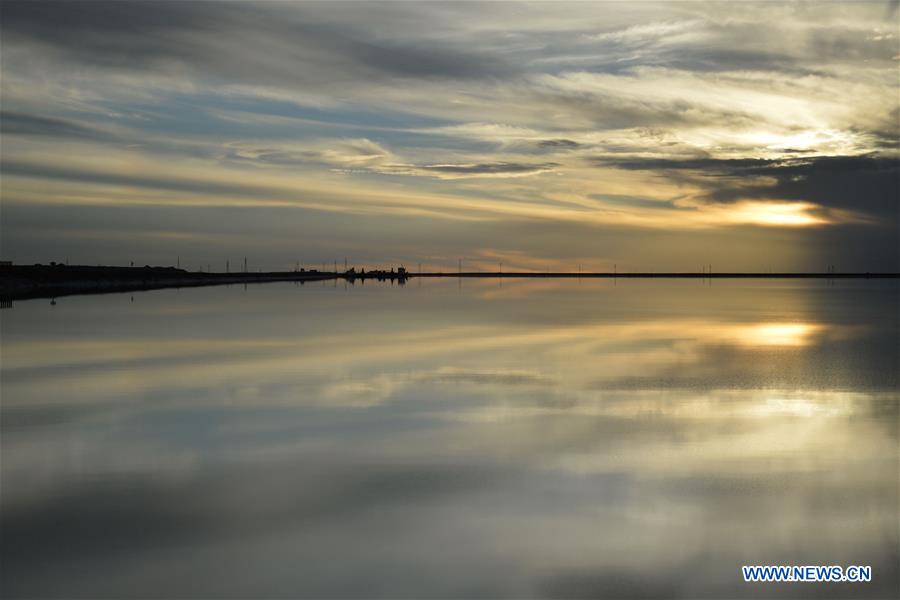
column 536, row 439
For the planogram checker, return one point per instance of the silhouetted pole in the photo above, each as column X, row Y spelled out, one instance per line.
column 460, row 267
column 177, row 262
column 227, row 266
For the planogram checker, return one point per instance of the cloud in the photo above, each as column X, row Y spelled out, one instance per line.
column 364, row 155
column 348, row 153
column 559, row 144
column 431, row 103
column 234, row 42
column 498, row 169
column 14, row 123
column 869, row 184
column 171, row 183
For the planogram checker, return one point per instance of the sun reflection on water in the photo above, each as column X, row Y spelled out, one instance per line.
column 778, row 334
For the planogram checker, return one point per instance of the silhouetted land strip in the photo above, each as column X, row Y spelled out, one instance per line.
column 18, row 282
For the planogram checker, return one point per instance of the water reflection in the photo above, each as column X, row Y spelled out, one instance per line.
column 556, row 440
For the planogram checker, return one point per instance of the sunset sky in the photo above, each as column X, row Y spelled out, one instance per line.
column 750, row 136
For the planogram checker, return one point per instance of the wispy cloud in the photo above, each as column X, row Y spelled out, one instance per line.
column 532, row 112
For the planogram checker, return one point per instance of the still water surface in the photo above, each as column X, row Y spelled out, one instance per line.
column 537, row 439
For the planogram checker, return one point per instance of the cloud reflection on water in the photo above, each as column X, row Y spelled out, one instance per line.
column 386, row 442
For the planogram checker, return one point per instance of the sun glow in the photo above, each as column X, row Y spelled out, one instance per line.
column 833, row 405
column 778, row 334
column 811, row 140
column 776, row 214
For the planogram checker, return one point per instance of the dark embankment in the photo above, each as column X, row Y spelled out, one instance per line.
column 19, row 282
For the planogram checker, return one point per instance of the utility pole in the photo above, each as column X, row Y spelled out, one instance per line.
column 245, row 264
column 227, row 266
column 177, row 262
column 460, row 267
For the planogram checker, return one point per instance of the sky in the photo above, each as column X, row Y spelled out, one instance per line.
column 543, row 136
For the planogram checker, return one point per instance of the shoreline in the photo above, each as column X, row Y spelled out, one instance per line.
column 21, row 282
